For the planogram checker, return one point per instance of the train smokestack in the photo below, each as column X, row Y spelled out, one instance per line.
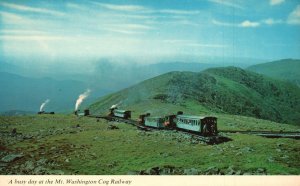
column 81, row 97
column 179, row 113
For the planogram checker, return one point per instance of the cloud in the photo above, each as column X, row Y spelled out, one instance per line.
column 271, row 21
column 244, row 24
column 31, row 37
column 128, row 28
column 294, row 16
column 219, row 23
column 143, row 9
column 276, row 2
column 14, row 19
column 10, row 16
column 191, row 43
column 21, row 31
column 136, row 26
column 128, row 32
column 179, row 12
column 228, row 3
column 126, row 8
column 249, row 24
column 76, row 6
column 31, row 9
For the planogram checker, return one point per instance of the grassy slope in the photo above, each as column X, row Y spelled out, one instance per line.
column 286, row 69
column 92, row 149
column 231, row 90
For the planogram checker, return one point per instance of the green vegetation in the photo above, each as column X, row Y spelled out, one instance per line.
column 286, row 69
column 65, row 144
column 223, row 90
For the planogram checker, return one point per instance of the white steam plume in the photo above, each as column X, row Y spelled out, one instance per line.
column 44, row 104
column 81, row 98
column 116, row 105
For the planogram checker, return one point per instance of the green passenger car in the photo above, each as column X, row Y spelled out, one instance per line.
column 203, row 125
column 126, row 114
column 156, row 122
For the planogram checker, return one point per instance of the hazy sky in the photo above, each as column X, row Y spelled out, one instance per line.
column 267, row 29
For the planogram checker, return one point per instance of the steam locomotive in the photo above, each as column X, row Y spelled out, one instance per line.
column 203, row 125
column 43, row 112
column 115, row 112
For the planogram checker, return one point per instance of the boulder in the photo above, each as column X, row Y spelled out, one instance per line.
column 11, row 157
column 230, row 171
column 212, row 171
column 168, row 170
column 132, row 173
column 261, row 171
column 153, row 171
column 112, row 127
column 29, row 166
column 191, row 171
column 55, row 172
column 247, row 149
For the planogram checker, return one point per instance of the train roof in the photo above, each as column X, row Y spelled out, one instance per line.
column 155, row 117
column 119, row 110
column 160, row 116
column 194, row 117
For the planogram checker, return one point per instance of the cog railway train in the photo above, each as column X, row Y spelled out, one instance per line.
column 204, row 126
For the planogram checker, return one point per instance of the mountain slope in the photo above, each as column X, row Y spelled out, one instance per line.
column 231, row 90
column 286, row 69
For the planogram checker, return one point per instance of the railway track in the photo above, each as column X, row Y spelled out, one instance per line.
column 206, row 139
column 128, row 121
column 268, row 134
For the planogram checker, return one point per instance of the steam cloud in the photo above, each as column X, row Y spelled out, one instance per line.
column 44, row 104
column 81, row 98
column 116, row 105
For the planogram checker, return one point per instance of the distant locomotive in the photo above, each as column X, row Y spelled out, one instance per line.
column 43, row 112
column 126, row 114
column 86, row 112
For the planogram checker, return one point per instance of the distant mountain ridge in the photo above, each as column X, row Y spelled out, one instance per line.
column 17, row 113
column 231, row 90
column 286, row 69
column 105, row 77
column 27, row 94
